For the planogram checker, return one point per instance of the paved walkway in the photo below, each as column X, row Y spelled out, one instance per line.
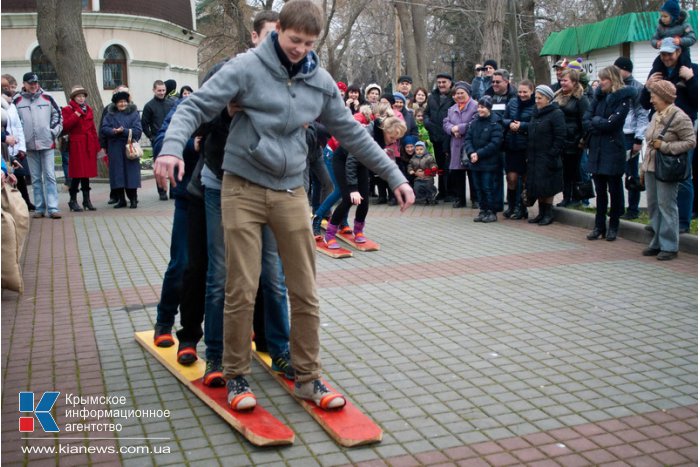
column 470, row 344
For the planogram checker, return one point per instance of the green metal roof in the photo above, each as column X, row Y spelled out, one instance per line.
column 632, row 27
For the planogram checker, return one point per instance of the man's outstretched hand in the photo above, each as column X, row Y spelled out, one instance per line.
column 164, row 170
column 404, row 196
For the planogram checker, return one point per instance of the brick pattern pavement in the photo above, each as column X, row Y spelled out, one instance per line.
column 500, row 344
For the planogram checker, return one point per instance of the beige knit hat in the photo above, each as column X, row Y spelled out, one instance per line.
column 666, row 90
column 77, row 90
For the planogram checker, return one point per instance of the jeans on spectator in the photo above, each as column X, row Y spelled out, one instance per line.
column 486, row 184
column 216, row 274
column 42, row 167
column 686, row 195
column 64, row 166
column 172, row 279
column 632, row 170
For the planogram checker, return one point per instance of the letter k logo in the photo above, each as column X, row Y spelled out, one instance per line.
column 42, row 411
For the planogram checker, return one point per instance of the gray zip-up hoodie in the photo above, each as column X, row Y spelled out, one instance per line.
column 267, row 139
column 41, row 119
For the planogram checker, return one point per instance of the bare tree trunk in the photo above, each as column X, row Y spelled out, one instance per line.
column 517, row 72
column 409, row 42
column 534, row 44
column 493, row 30
column 60, row 34
column 420, row 35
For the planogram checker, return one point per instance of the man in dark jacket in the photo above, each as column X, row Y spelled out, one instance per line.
column 500, row 92
column 154, row 113
column 686, row 81
column 439, row 101
column 635, row 126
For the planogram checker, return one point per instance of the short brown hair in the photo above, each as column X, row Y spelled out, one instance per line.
column 158, row 82
column 303, row 16
column 528, row 83
column 574, row 75
column 10, row 79
column 264, row 16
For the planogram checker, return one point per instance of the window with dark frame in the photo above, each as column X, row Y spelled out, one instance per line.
column 114, row 68
column 42, row 66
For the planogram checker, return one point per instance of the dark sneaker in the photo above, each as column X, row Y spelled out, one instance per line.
column 55, row 215
column 163, row 196
column 480, row 217
column 163, row 337
column 316, row 225
column 650, row 252
column 317, row 392
column 629, row 216
column 38, row 215
column 666, row 255
column 283, row 364
column 187, row 353
column 214, row 374
column 239, row 395
column 490, row 217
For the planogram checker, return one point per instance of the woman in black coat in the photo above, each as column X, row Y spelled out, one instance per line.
column 515, row 122
column 573, row 102
column 606, row 148
column 124, row 174
column 545, row 143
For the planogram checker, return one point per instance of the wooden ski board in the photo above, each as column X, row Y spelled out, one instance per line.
column 347, row 426
column 258, row 426
column 349, row 238
column 336, row 253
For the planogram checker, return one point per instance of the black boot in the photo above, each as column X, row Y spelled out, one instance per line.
column 87, row 204
column 548, row 216
column 539, row 216
column 73, row 203
column 121, row 199
column 520, row 212
column 508, row 213
column 133, row 199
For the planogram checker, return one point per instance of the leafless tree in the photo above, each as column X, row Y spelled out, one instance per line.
column 60, row 35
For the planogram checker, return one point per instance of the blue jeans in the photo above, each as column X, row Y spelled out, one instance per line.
column 632, row 170
column 486, row 184
column 686, row 194
column 42, row 167
column 64, row 165
column 274, row 291
column 325, row 208
column 216, row 276
column 272, row 278
column 585, row 176
column 172, row 280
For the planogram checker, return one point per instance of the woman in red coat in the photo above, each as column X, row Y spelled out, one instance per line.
column 79, row 125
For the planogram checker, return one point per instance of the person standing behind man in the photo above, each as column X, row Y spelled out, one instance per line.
column 154, row 112
column 404, row 85
column 439, row 101
column 686, row 81
column 42, row 123
column 482, row 82
column 635, row 125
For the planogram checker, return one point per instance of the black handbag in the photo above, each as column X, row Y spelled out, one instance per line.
column 670, row 168
column 584, row 190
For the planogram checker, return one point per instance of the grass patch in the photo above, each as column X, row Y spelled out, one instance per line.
column 642, row 219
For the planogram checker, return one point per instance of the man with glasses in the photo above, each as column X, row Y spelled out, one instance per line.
column 482, row 81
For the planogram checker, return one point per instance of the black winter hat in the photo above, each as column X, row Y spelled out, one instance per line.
column 492, row 63
column 170, row 86
column 624, row 63
column 486, row 101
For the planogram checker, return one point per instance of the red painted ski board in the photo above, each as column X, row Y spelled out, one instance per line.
column 349, row 238
column 348, row 426
column 333, row 253
column 258, row 426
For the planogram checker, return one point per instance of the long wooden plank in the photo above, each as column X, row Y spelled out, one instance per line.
column 347, row 426
column 258, row 426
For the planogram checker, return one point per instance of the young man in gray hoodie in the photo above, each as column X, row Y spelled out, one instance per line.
column 279, row 88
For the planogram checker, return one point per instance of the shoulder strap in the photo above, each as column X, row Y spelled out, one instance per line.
column 663, row 132
column 129, row 140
